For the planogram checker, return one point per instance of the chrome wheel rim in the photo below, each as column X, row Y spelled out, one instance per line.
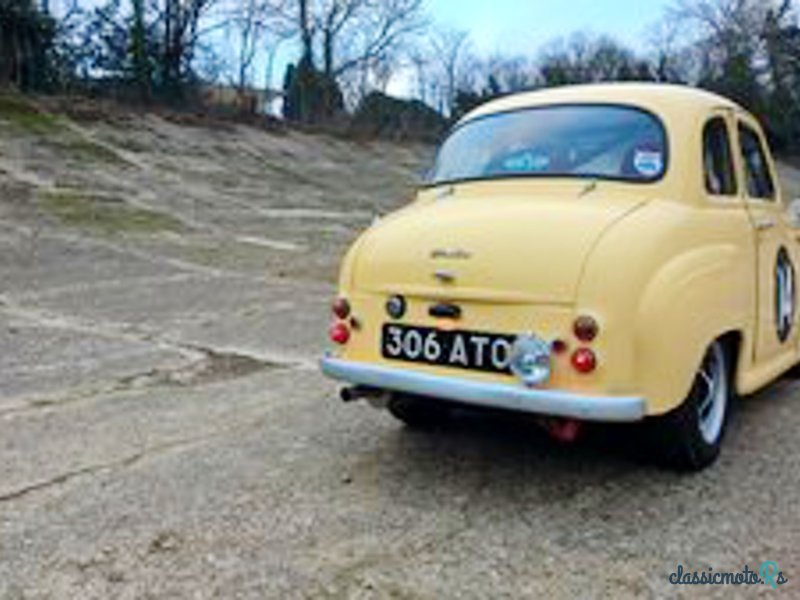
column 712, row 389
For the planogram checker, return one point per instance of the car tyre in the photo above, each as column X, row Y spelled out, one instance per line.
column 793, row 373
column 419, row 413
column 690, row 437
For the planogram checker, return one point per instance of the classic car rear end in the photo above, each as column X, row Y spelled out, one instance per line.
column 565, row 259
column 445, row 297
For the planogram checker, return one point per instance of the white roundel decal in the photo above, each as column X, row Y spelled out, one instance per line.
column 785, row 295
column 648, row 163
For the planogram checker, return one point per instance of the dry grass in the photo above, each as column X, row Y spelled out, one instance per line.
column 106, row 214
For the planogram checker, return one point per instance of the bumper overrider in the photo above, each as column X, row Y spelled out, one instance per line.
column 488, row 395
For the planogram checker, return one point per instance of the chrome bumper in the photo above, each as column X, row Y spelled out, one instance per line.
column 489, row 395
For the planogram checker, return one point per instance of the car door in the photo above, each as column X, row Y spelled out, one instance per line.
column 776, row 333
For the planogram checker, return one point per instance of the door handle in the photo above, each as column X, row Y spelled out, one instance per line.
column 765, row 224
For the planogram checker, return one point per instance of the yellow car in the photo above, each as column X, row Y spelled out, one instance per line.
column 611, row 253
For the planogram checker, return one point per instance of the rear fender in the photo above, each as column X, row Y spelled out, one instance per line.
column 692, row 300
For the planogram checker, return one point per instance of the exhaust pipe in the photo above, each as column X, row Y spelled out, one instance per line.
column 376, row 397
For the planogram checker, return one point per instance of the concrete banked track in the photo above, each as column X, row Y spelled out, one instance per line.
column 164, row 432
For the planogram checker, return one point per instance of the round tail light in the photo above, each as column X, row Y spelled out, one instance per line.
column 584, row 360
column 340, row 334
column 586, row 329
column 341, row 308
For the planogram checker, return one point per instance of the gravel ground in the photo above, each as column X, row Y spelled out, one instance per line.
column 164, row 432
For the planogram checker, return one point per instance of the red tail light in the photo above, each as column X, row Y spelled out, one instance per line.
column 586, row 329
column 341, row 308
column 340, row 334
column 584, row 360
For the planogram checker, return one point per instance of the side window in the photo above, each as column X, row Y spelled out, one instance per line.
column 756, row 165
column 718, row 159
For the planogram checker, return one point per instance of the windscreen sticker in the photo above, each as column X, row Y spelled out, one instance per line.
column 648, row 163
column 540, row 162
column 527, row 163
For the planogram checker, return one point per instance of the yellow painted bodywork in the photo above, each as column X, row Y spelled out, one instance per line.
column 664, row 268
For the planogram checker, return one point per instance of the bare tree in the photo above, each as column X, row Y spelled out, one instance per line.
column 306, row 28
column 180, row 34
column 449, row 49
column 26, row 36
column 589, row 59
column 247, row 21
column 331, row 21
column 377, row 31
column 340, row 35
column 345, row 43
column 781, row 39
column 419, row 62
column 672, row 62
column 731, row 40
column 505, row 74
column 370, row 75
column 724, row 31
column 141, row 62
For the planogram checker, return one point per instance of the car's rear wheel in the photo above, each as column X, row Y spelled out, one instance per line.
column 793, row 373
column 690, row 437
column 419, row 413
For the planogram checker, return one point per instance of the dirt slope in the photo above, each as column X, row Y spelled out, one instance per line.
column 217, row 196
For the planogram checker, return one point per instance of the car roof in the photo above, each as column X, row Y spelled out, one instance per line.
column 662, row 99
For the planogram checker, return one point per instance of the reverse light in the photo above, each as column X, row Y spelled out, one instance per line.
column 341, row 308
column 586, row 329
column 584, row 360
column 340, row 334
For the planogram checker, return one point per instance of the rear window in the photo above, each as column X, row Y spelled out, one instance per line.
column 579, row 141
column 756, row 167
column 718, row 159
